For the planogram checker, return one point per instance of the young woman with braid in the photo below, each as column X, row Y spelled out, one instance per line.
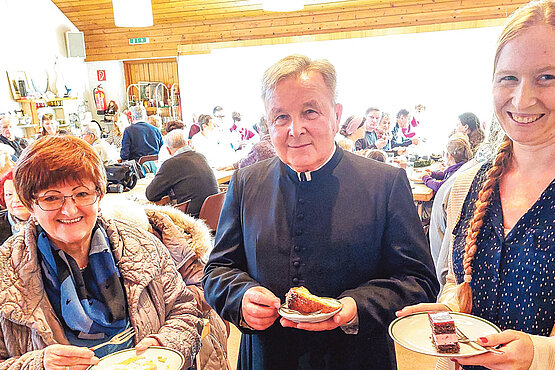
column 502, row 264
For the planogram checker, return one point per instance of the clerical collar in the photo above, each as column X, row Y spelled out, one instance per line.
column 306, row 176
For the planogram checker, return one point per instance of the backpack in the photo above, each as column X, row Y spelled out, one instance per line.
column 125, row 174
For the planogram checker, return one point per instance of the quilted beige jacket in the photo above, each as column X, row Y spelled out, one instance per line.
column 160, row 305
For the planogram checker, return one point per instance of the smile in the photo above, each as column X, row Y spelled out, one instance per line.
column 72, row 221
column 297, row 146
column 525, row 118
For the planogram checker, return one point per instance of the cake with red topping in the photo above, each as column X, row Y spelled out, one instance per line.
column 444, row 336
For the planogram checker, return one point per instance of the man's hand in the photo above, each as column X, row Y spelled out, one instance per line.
column 518, row 348
column 421, row 307
column 380, row 143
column 347, row 313
column 61, row 357
column 259, row 307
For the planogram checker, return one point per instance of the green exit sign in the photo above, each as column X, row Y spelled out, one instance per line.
column 139, row 40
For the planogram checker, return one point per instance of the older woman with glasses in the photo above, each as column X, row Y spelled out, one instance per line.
column 75, row 279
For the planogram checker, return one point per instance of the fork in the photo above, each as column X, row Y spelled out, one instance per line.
column 464, row 339
column 119, row 338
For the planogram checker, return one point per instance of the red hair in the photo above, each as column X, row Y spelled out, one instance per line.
column 5, row 177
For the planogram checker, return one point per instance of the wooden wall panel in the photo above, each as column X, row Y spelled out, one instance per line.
column 155, row 70
column 181, row 24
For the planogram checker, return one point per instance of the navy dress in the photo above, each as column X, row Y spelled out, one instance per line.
column 513, row 276
column 352, row 230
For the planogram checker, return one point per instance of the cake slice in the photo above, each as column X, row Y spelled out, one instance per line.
column 301, row 300
column 444, row 336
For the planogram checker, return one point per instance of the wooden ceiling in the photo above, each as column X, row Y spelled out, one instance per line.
column 188, row 24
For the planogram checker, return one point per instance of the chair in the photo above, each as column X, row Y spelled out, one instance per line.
column 146, row 158
column 164, row 200
column 211, row 208
column 183, row 206
column 148, row 163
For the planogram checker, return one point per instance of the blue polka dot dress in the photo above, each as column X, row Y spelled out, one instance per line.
column 513, row 275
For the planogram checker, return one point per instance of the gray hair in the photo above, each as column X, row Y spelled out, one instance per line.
column 90, row 128
column 138, row 112
column 176, row 139
column 294, row 66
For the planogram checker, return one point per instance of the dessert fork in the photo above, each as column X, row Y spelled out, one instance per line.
column 119, row 338
column 464, row 339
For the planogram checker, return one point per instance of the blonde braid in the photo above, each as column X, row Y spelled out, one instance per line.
column 500, row 165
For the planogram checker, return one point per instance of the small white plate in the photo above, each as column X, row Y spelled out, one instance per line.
column 296, row 316
column 414, row 333
column 164, row 358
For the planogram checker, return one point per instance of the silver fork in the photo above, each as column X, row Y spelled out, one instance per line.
column 464, row 339
column 119, row 338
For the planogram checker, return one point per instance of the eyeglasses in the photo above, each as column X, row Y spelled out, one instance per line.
column 55, row 200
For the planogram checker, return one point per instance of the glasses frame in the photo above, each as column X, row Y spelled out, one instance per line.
column 72, row 196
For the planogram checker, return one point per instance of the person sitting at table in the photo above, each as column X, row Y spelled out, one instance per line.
column 213, row 143
column 115, row 136
column 469, row 124
column 74, row 279
column 140, row 138
column 457, row 153
column 13, row 218
column 164, row 153
column 354, row 129
column 383, row 134
column 7, row 137
column 377, row 155
column 186, row 175
column 373, row 116
column 264, row 149
column 90, row 132
column 502, row 265
column 398, row 138
column 49, row 124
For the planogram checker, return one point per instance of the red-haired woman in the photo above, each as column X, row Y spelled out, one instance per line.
column 503, row 253
column 13, row 218
column 75, row 279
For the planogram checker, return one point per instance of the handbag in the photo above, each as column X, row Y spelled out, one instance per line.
column 125, row 174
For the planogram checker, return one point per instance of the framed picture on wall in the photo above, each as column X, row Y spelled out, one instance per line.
column 18, row 83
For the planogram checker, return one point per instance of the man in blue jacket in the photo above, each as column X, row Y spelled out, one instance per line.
column 339, row 224
column 140, row 138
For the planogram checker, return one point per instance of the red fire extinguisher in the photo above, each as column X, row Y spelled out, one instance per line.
column 99, row 100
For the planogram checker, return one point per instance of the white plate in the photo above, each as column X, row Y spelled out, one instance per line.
column 164, row 358
column 414, row 333
column 296, row 316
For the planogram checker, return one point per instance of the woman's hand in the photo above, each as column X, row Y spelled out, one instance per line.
column 346, row 314
column 145, row 343
column 259, row 307
column 63, row 357
column 380, row 143
column 421, row 307
column 518, row 348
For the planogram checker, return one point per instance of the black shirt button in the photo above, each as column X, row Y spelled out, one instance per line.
column 297, row 249
column 301, row 201
column 298, row 232
column 296, row 264
column 300, row 216
column 295, row 280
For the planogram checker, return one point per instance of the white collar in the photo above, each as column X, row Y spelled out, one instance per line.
column 307, row 174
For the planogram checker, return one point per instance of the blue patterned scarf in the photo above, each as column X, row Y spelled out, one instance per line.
column 91, row 302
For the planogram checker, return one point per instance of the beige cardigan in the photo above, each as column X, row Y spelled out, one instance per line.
column 544, row 347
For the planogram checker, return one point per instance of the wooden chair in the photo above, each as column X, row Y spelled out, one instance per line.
column 210, row 210
column 183, row 206
column 146, row 158
column 164, row 200
column 150, row 167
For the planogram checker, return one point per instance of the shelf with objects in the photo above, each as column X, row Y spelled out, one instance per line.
column 157, row 98
column 61, row 108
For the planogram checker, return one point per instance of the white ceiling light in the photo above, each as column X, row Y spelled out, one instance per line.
column 282, row 5
column 132, row 13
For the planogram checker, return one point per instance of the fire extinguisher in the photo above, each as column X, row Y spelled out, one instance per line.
column 99, row 100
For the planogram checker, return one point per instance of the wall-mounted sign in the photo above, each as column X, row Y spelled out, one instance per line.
column 139, row 40
column 101, row 74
